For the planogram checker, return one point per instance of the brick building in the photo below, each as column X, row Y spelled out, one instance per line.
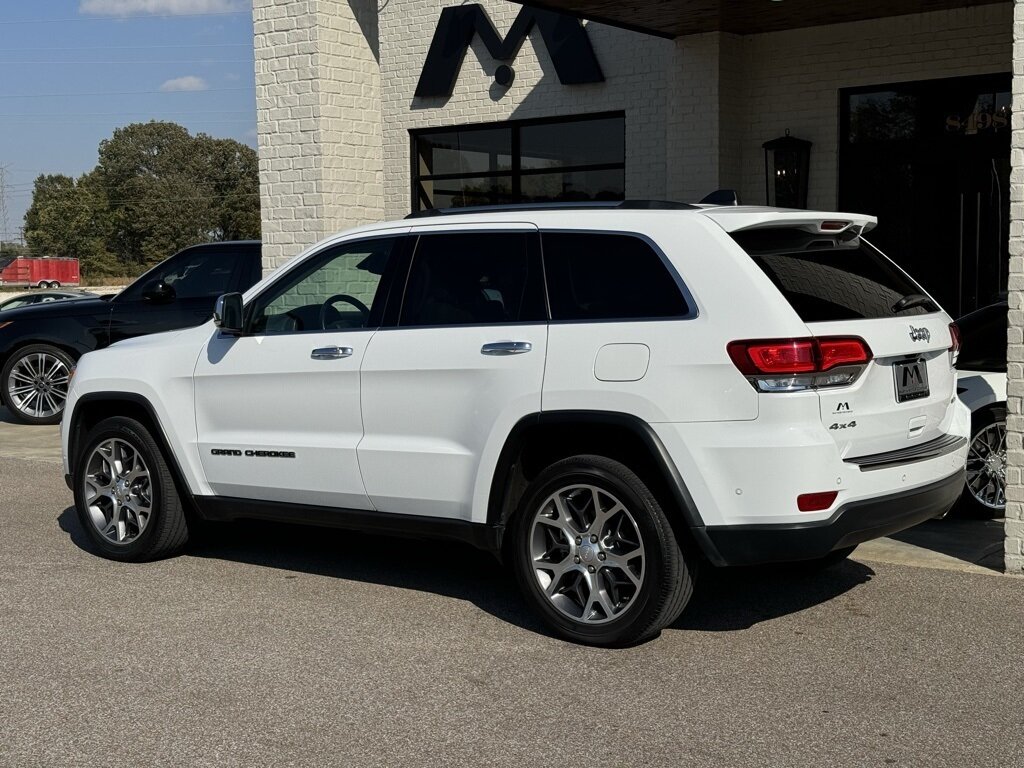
column 368, row 110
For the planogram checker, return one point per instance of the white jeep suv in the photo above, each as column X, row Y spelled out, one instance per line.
column 604, row 395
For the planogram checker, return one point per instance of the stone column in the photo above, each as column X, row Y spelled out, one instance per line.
column 1015, row 341
column 703, row 142
column 318, row 120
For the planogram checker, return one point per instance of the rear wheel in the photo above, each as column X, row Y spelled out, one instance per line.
column 596, row 556
column 985, row 489
column 55, row 283
column 125, row 494
column 35, row 383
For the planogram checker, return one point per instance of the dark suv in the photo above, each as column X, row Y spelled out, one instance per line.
column 39, row 345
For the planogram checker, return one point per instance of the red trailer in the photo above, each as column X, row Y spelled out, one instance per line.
column 38, row 273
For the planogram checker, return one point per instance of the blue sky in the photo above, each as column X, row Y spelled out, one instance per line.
column 74, row 70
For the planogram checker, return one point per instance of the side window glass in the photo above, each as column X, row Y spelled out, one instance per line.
column 473, row 278
column 194, row 274
column 595, row 276
column 204, row 273
column 333, row 291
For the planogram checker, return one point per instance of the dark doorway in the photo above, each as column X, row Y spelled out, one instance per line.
column 931, row 159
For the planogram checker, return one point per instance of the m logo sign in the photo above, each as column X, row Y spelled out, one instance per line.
column 564, row 36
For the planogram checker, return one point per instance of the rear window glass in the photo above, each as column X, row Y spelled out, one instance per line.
column 594, row 276
column 831, row 277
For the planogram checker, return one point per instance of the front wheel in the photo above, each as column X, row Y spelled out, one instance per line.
column 985, row 489
column 596, row 556
column 125, row 494
column 35, row 383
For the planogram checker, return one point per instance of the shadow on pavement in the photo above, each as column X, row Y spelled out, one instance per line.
column 730, row 599
column 725, row 600
column 966, row 538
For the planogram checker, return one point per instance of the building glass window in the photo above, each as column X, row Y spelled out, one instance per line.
column 563, row 159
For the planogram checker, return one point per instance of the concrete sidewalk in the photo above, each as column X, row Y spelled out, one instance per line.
column 953, row 544
column 21, row 441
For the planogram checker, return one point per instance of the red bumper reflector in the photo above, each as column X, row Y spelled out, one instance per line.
column 815, row 502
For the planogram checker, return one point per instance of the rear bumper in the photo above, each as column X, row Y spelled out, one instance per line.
column 851, row 524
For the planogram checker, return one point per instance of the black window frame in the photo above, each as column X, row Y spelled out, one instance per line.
column 516, row 172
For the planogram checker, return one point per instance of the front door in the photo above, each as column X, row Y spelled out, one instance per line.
column 277, row 409
column 931, row 159
column 443, row 389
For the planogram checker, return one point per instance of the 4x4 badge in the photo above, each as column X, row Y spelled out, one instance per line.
column 920, row 334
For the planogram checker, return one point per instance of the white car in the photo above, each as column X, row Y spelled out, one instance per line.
column 607, row 396
column 981, row 383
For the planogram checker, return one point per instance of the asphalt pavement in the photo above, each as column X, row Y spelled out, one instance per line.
column 279, row 645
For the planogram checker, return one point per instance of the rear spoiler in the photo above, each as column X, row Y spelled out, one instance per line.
column 738, row 219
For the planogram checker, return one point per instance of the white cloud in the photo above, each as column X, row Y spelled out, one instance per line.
column 186, row 83
column 159, row 7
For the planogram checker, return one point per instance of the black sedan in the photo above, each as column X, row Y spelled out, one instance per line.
column 39, row 344
column 42, row 297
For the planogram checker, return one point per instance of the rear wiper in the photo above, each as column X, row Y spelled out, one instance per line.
column 912, row 300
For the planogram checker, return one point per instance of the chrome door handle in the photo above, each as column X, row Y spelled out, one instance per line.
column 502, row 348
column 331, row 353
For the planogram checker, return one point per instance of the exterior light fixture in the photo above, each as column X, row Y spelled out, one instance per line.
column 787, row 162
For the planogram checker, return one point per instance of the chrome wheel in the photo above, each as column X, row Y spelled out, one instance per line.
column 588, row 554
column 986, row 466
column 118, row 491
column 38, row 385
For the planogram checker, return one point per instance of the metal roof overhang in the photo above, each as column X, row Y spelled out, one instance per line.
column 673, row 18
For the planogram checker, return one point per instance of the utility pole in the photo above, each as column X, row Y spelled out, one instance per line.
column 3, row 206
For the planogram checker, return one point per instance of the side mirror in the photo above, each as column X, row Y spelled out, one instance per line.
column 227, row 313
column 159, row 292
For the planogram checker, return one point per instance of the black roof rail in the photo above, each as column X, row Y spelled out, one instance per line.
column 633, row 205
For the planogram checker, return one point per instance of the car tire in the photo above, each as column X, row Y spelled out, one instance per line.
column 55, row 284
column 125, row 494
column 985, row 487
column 34, row 383
column 644, row 579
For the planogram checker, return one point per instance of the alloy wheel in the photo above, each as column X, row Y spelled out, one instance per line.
column 986, row 466
column 38, row 385
column 588, row 555
column 118, row 491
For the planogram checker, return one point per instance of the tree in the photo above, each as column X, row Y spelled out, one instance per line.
column 66, row 217
column 155, row 190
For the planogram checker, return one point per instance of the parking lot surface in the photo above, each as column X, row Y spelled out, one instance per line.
column 278, row 645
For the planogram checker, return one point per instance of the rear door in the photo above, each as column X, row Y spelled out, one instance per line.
column 442, row 390
column 840, row 285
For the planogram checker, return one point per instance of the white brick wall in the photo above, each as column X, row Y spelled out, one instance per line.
column 635, row 65
column 317, row 95
column 791, row 79
column 1014, row 542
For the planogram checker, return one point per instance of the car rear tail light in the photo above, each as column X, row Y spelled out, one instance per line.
column 954, row 347
column 794, row 365
column 815, row 502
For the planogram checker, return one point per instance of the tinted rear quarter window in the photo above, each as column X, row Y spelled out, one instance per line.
column 598, row 276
